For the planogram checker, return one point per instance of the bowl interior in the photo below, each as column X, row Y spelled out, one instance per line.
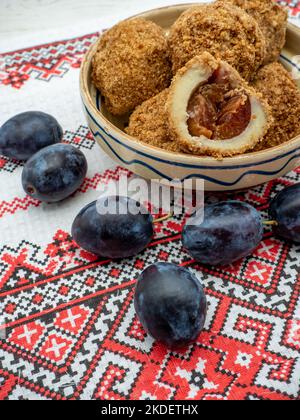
column 165, row 17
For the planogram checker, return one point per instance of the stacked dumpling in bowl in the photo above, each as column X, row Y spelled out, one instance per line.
column 212, row 86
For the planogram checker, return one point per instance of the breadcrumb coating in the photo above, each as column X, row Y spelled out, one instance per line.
column 222, row 88
column 149, row 124
column 272, row 19
column 224, row 30
column 131, row 65
column 281, row 92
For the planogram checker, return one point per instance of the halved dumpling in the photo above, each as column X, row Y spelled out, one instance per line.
column 213, row 111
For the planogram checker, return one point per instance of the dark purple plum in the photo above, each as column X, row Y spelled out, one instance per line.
column 285, row 210
column 25, row 134
column 54, row 173
column 171, row 304
column 228, row 232
column 113, row 227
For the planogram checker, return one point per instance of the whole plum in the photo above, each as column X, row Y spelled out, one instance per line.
column 54, row 173
column 171, row 304
column 228, row 232
column 285, row 210
column 25, row 134
column 113, row 227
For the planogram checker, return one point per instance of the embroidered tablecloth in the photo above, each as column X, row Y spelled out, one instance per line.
column 69, row 329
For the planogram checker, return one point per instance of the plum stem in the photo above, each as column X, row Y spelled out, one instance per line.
column 164, row 218
column 270, row 223
column 30, row 190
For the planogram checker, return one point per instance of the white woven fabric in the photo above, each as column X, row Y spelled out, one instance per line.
column 67, row 321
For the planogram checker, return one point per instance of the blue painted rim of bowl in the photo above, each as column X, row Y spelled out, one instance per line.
column 182, row 165
column 192, row 176
column 290, row 62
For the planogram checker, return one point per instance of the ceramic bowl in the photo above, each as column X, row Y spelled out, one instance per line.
column 234, row 173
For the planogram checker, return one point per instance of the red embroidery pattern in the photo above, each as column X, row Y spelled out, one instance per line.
column 68, row 326
column 44, row 62
column 59, row 301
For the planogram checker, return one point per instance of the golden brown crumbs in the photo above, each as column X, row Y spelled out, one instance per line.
column 149, row 124
column 272, row 19
column 280, row 91
column 224, row 30
column 131, row 64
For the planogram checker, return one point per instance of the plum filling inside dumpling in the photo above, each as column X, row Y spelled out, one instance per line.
column 213, row 111
column 217, row 111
